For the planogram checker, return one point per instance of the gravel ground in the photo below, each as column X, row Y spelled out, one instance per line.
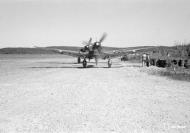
column 53, row 94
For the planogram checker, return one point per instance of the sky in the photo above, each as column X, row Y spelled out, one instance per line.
column 28, row 23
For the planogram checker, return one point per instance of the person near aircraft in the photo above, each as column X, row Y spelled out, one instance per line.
column 147, row 60
column 144, row 59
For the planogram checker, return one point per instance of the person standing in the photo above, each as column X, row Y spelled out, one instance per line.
column 144, row 59
column 147, row 60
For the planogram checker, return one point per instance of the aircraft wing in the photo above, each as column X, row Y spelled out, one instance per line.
column 66, row 52
column 120, row 53
column 69, row 52
column 114, row 55
column 142, row 50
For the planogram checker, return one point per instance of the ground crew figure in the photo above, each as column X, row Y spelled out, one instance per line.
column 109, row 62
column 144, row 59
column 147, row 60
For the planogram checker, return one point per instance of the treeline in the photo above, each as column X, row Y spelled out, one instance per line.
column 182, row 50
column 178, row 51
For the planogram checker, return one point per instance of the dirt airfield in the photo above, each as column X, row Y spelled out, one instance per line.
column 53, row 94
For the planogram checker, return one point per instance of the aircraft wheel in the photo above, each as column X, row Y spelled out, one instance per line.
column 109, row 63
column 79, row 60
column 84, row 63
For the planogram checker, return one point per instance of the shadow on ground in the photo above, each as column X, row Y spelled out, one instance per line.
column 138, row 66
column 54, row 62
column 77, row 67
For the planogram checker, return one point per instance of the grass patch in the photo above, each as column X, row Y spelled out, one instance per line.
column 178, row 74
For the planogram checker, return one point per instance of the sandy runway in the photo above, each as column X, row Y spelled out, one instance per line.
column 54, row 94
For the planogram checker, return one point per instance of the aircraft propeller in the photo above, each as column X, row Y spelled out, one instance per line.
column 97, row 45
column 94, row 46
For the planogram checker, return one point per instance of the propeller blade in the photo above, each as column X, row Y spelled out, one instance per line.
column 85, row 43
column 90, row 40
column 102, row 38
column 96, row 60
column 100, row 49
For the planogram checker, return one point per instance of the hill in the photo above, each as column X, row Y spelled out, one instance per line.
column 174, row 51
column 41, row 50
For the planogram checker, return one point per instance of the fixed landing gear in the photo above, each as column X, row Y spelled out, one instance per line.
column 109, row 63
column 84, row 63
column 78, row 60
